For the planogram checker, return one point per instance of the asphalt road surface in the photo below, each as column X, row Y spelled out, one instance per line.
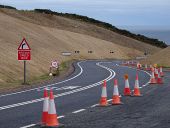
column 77, row 95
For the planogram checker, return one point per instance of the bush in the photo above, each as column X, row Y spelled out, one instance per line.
column 8, row 7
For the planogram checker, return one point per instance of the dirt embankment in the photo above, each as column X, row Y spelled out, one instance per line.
column 49, row 36
column 162, row 58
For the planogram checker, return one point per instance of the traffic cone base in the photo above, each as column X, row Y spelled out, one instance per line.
column 127, row 92
column 161, row 74
column 136, row 92
column 52, row 120
column 103, row 102
column 153, row 81
column 156, row 76
column 116, row 100
column 44, row 126
column 159, row 81
column 44, row 117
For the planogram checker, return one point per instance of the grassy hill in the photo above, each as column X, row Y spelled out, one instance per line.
column 50, row 35
column 161, row 58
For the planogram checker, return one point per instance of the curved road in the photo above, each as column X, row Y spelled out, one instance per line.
column 80, row 90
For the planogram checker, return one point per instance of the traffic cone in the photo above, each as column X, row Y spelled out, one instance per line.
column 156, row 73
column 136, row 88
column 127, row 91
column 151, row 67
column 45, row 107
column 146, row 67
column 138, row 65
column 161, row 72
column 116, row 98
column 103, row 100
column 159, row 80
column 52, row 120
column 152, row 80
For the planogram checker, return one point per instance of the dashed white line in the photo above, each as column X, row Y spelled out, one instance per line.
column 94, row 105
column 59, row 117
column 81, row 71
column 28, row 126
column 111, row 76
column 31, row 125
column 78, row 111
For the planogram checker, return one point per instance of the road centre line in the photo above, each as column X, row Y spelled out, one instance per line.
column 28, row 126
column 132, row 90
column 94, row 104
column 111, row 76
column 78, row 111
column 31, row 125
column 81, row 71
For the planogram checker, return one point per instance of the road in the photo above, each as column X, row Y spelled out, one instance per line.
column 75, row 94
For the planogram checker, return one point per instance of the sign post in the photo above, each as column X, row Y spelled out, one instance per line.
column 24, row 54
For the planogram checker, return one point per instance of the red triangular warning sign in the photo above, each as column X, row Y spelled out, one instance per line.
column 24, row 45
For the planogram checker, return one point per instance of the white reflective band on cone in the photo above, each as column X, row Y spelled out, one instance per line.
column 104, row 92
column 127, row 83
column 52, row 109
column 45, row 104
column 136, row 84
column 116, row 91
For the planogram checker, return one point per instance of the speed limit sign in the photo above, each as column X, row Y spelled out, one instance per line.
column 54, row 64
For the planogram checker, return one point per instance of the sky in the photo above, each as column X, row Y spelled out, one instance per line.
column 126, row 14
column 117, row 12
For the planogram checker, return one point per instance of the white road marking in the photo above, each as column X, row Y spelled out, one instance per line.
column 111, row 76
column 81, row 71
column 109, row 100
column 28, row 126
column 62, row 88
column 132, row 90
column 31, row 125
column 78, row 111
column 59, row 117
column 94, row 105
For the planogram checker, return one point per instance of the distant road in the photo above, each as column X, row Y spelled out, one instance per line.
column 80, row 90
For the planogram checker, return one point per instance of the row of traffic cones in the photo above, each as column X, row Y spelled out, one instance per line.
column 49, row 116
column 156, row 76
column 116, row 98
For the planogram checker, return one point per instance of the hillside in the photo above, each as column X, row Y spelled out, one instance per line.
column 161, row 57
column 49, row 35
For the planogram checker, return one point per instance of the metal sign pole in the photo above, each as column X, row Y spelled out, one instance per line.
column 24, row 72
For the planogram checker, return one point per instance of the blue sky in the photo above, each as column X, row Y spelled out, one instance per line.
column 127, row 13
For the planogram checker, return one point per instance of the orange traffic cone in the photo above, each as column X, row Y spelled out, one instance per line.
column 146, row 67
column 116, row 98
column 150, row 68
column 152, row 80
column 103, row 100
column 138, row 65
column 159, row 80
column 156, row 73
column 161, row 72
column 45, row 107
column 127, row 91
column 136, row 88
column 52, row 120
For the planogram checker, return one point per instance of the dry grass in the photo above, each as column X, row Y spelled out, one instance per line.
column 161, row 58
column 48, row 36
